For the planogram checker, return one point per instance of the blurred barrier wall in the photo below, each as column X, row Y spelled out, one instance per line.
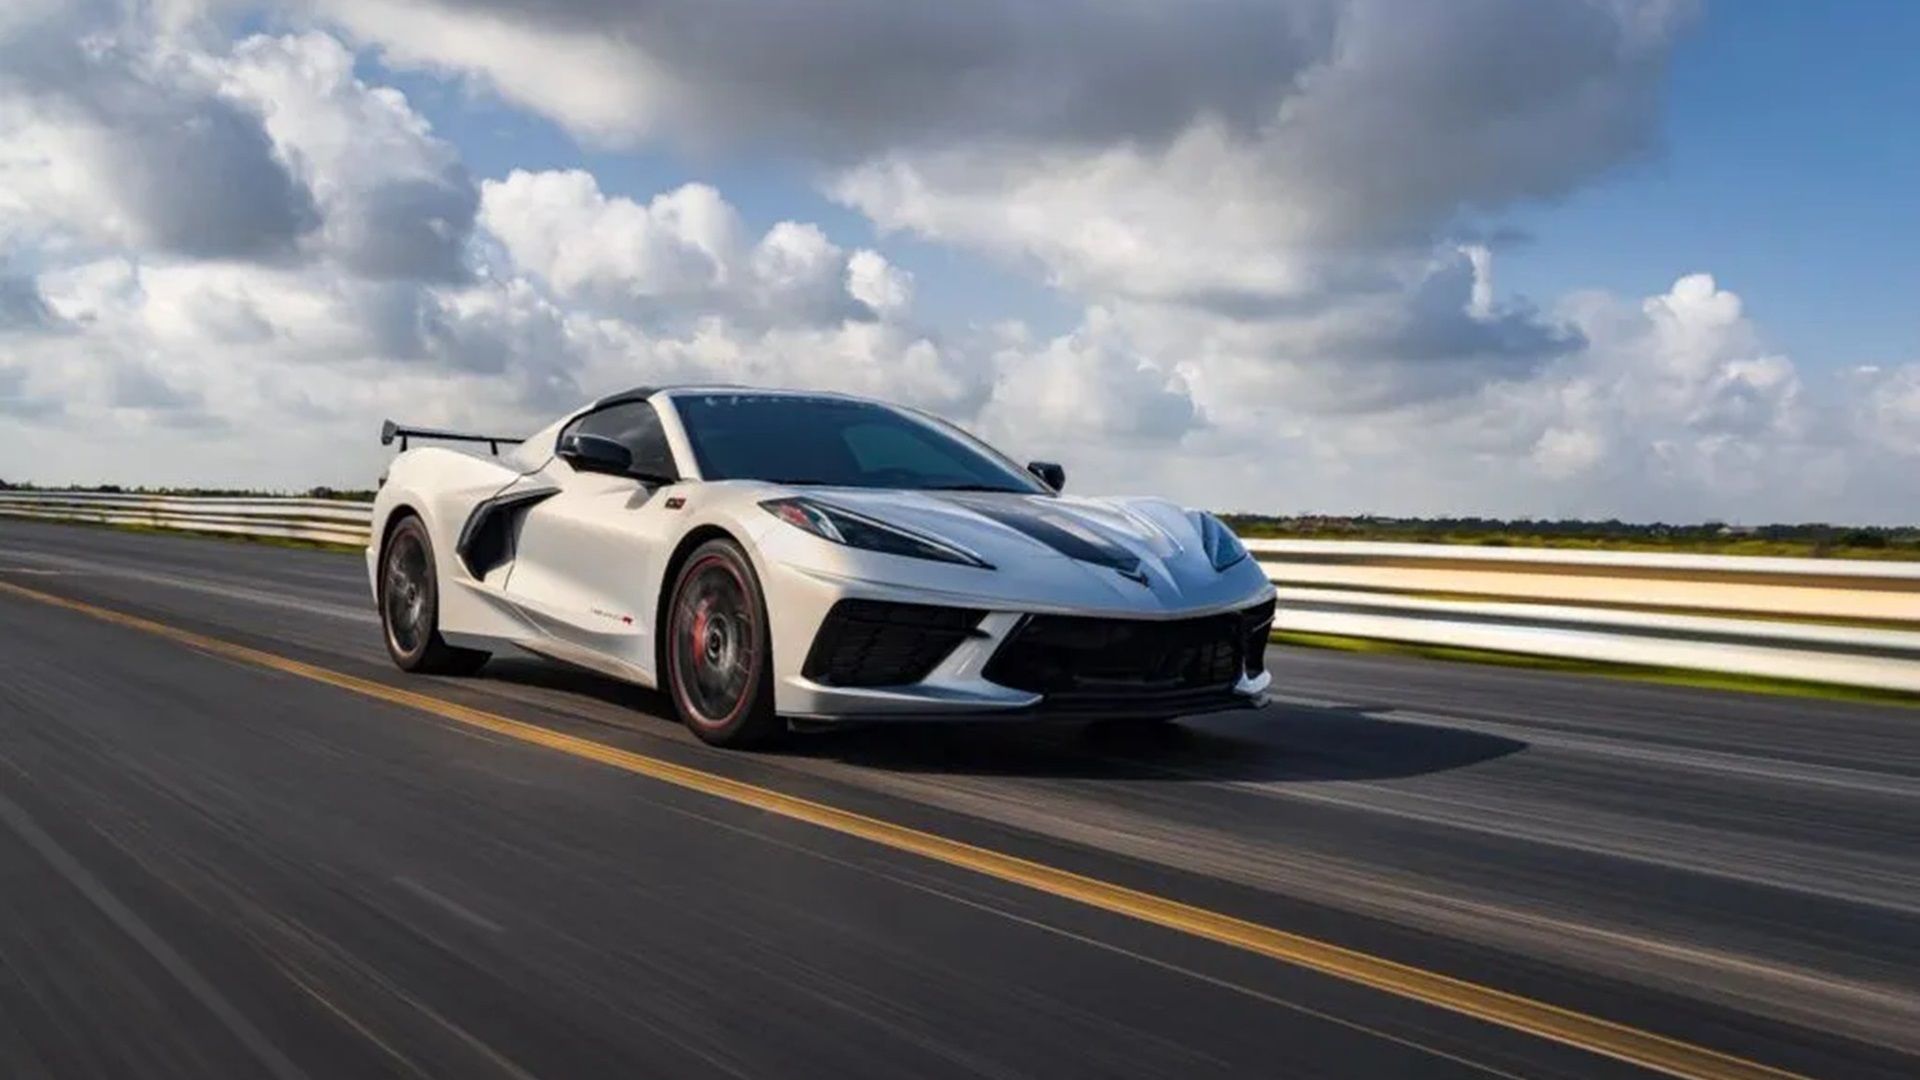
column 1853, row 622
column 324, row 520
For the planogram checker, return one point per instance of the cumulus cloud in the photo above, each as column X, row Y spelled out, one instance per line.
column 1105, row 139
column 21, row 305
column 560, row 226
column 885, row 289
column 853, row 78
column 1889, row 410
column 108, row 138
column 1260, row 194
column 396, row 201
column 1271, row 216
column 1087, row 387
column 683, row 251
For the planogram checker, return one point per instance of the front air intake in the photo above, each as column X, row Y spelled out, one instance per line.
column 876, row 643
column 1068, row 654
column 1071, row 658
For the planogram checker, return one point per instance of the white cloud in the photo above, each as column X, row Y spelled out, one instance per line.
column 683, row 243
column 1889, row 411
column 850, row 78
column 109, row 136
column 683, row 253
column 580, row 73
column 396, row 201
column 1087, row 388
column 1270, row 214
column 886, row 289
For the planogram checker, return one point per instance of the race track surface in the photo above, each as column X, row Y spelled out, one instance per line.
column 261, row 857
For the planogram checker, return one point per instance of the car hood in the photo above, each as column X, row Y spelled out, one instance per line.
column 1125, row 550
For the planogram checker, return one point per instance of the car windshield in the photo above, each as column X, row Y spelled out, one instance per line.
column 837, row 442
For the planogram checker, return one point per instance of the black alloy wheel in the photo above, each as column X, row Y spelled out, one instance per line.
column 410, row 606
column 718, row 668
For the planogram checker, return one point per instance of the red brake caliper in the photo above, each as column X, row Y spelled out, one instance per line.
column 700, row 634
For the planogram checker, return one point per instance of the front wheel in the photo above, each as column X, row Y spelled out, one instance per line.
column 410, row 606
column 718, row 666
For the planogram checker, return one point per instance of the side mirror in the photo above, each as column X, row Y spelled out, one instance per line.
column 1050, row 474
column 596, row 453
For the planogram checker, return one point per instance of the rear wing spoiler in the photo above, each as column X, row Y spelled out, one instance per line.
column 390, row 431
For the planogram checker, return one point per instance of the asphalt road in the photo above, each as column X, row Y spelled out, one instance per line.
column 214, row 866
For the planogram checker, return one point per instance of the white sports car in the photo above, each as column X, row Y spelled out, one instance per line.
column 766, row 557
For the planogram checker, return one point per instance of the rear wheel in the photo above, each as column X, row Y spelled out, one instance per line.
column 410, row 606
column 718, row 667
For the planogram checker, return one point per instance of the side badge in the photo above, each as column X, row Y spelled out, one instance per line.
column 675, row 502
column 1135, row 575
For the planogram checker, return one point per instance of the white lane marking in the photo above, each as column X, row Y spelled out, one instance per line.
column 439, row 901
column 33, row 570
column 269, row 1056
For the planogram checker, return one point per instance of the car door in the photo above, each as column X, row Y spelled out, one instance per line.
column 583, row 556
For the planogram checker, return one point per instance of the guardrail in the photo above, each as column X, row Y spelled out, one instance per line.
column 1851, row 622
column 323, row 520
column 1827, row 620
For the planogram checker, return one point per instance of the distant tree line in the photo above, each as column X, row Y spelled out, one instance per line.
column 203, row 492
column 1807, row 538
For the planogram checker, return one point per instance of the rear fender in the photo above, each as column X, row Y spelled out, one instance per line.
column 442, row 487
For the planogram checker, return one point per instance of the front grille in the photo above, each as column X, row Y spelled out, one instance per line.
column 1074, row 657
column 874, row 643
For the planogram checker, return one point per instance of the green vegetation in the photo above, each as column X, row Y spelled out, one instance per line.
column 1711, row 680
column 1813, row 540
column 209, row 493
column 1808, row 540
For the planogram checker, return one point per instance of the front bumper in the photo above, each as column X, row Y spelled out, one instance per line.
column 958, row 686
column 837, row 705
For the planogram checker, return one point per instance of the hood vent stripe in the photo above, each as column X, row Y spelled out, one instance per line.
column 1081, row 542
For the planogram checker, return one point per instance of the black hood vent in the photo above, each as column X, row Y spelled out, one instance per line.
column 1082, row 544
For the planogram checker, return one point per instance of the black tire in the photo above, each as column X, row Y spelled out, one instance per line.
column 717, row 655
column 410, row 606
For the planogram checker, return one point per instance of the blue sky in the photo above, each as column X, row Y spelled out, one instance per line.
column 1791, row 172
column 220, row 229
column 956, row 287
column 1784, row 171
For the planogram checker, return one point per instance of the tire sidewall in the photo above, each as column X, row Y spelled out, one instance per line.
column 753, row 720
column 431, row 616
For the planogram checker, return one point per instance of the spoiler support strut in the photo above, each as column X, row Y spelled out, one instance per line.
column 390, row 431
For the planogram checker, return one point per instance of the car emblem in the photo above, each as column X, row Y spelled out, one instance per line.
column 675, row 502
column 1136, row 575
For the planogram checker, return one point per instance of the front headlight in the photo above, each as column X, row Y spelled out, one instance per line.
column 842, row 526
column 1223, row 548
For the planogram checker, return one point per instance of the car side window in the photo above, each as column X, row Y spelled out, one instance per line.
column 636, row 426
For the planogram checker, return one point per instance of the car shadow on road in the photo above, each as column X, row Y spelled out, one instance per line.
column 1275, row 744
column 1279, row 743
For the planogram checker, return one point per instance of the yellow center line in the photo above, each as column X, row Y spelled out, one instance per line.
column 1615, row 1040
